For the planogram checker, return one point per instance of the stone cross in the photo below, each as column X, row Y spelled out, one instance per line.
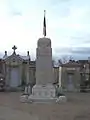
column 14, row 48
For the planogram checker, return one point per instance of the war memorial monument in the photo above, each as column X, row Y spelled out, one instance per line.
column 43, row 90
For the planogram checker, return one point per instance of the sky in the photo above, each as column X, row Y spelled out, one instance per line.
column 68, row 26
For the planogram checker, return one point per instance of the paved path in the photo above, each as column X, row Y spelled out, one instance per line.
column 77, row 108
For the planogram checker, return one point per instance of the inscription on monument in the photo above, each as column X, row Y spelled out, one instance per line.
column 44, row 52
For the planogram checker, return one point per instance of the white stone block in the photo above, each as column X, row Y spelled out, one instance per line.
column 23, row 98
column 61, row 99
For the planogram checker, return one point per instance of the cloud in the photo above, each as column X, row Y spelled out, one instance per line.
column 17, row 13
column 75, row 52
column 68, row 25
column 81, row 51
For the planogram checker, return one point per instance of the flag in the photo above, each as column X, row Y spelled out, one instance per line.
column 44, row 25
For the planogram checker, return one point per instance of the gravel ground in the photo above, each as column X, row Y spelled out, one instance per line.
column 76, row 108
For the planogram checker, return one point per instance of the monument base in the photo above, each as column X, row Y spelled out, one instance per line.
column 41, row 94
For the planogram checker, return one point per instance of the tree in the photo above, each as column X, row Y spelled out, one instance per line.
column 60, row 62
column 65, row 59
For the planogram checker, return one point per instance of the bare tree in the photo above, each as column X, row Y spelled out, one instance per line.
column 60, row 62
column 65, row 59
column 70, row 58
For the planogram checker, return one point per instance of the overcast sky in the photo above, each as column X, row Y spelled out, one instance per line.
column 68, row 26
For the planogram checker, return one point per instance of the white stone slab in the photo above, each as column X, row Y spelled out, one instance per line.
column 23, row 98
column 61, row 99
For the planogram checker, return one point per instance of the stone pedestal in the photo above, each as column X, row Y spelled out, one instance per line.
column 43, row 93
column 47, row 91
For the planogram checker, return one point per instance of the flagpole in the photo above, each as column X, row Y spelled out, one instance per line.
column 44, row 13
column 44, row 17
column 44, row 24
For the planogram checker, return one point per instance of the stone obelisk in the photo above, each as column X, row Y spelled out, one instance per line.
column 44, row 88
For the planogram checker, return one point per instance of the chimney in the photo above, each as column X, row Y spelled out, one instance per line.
column 27, row 53
column 5, row 53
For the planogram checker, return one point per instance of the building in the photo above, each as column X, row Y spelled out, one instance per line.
column 69, row 78
column 75, row 75
column 17, row 70
column 2, row 74
column 85, row 74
